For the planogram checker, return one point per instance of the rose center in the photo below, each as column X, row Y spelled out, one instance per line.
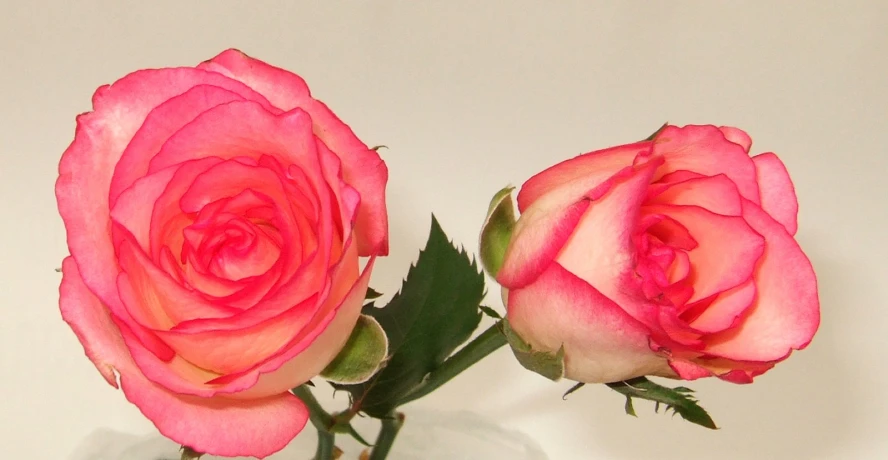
column 231, row 247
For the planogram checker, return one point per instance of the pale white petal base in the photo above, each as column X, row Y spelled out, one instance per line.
column 427, row 435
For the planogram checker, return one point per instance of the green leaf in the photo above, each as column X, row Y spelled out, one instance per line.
column 549, row 365
column 435, row 311
column 660, row 129
column 675, row 399
column 497, row 231
column 372, row 294
column 362, row 355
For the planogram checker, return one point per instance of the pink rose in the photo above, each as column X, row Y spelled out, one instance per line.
column 215, row 216
column 672, row 257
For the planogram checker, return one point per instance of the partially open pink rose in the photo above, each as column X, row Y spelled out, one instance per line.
column 215, row 216
column 672, row 257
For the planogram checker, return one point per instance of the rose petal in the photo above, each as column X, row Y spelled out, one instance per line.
column 167, row 118
column 217, row 426
column 147, row 288
column 602, row 343
column 714, row 193
column 133, row 207
column 582, row 173
column 727, row 251
column 87, row 166
column 730, row 371
column 537, row 239
column 705, row 150
column 737, row 136
column 777, row 192
column 786, row 312
column 362, row 168
column 307, row 359
column 601, row 250
column 724, row 311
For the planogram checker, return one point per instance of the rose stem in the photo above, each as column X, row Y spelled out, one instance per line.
column 483, row 345
column 391, row 424
column 321, row 420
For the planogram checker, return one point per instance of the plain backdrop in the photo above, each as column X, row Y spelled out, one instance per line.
column 470, row 96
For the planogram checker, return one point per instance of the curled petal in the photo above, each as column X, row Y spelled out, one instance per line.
column 737, row 136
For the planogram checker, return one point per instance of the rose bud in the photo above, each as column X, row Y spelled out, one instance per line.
column 672, row 257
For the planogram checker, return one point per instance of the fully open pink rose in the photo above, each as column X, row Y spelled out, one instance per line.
column 215, row 216
column 671, row 257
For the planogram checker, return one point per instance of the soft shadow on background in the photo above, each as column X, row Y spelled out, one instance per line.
column 471, row 96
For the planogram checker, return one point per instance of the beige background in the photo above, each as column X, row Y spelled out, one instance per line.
column 470, row 96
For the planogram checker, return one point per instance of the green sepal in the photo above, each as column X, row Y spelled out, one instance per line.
column 572, row 389
column 190, row 454
column 490, row 312
column 658, row 131
column 678, row 399
column 549, row 365
column 345, row 427
column 497, row 231
column 362, row 355
column 372, row 294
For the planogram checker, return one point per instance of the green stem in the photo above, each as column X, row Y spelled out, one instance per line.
column 390, row 427
column 326, row 445
column 486, row 343
column 321, row 420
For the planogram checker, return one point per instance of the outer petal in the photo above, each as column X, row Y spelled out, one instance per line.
column 544, row 228
column 362, row 168
column 786, row 312
column 731, row 371
column 536, row 240
column 216, row 426
column 295, row 369
column 583, row 172
column 87, row 165
column 705, row 150
column 777, row 192
column 601, row 250
column 602, row 343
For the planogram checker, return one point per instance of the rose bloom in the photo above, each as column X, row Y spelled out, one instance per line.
column 215, row 218
column 672, row 257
